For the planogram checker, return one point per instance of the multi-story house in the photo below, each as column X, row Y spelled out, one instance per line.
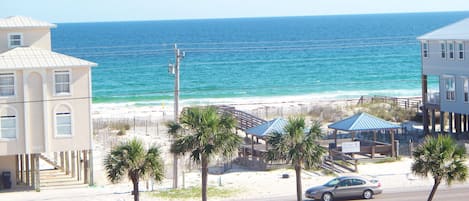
column 45, row 101
column 444, row 58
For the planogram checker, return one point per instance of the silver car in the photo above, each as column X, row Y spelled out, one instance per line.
column 344, row 187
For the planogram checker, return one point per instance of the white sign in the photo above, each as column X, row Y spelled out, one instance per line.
column 351, row 147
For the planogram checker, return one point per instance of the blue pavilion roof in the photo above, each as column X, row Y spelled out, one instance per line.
column 362, row 122
column 275, row 125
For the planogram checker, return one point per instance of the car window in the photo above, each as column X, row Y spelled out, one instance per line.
column 332, row 183
column 356, row 182
column 346, row 182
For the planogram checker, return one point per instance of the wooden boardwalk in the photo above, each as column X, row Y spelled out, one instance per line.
column 244, row 119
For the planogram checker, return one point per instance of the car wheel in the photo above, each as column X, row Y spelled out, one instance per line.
column 367, row 194
column 327, row 197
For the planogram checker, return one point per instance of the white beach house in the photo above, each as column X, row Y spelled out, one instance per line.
column 45, row 101
column 444, row 58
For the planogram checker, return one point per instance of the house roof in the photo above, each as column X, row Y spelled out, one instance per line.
column 23, row 22
column 30, row 57
column 275, row 125
column 456, row 31
column 362, row 122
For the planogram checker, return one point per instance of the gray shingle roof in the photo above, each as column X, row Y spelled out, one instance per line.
column 363, row 122
column 275, row 125
column 30, row 57
column 23, row 22
column 456, row 31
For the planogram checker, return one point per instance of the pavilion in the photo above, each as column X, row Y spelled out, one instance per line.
column 363, row 122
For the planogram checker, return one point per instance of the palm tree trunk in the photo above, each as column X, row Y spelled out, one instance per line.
column 136, row 191
column 175, row 171
column 435, row 186
column 299, row 194
column 204, row 177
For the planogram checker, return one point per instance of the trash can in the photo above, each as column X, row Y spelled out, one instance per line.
column 6, row 180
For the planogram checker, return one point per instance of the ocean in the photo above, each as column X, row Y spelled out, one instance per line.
column 326, row 57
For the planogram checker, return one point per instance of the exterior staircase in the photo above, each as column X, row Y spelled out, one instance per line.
column 50, row 162
column 57, row 179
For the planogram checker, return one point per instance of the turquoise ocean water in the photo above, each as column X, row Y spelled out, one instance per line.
column 323, row 56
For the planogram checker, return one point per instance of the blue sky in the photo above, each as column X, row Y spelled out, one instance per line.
column 129, row 10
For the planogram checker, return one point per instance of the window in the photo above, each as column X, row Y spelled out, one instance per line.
column 15, row 40
column 443, row 49
column 347, row 182
column 8, row 127
column 356, row 182
column 449, row 86
column 460, row 50
column 7, row 84
column 7, row 123
column 451, row 50
column 63, row 124
column 466, row 90
column 425, row 49
column 62, row 82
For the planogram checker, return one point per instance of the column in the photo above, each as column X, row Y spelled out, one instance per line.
column 91, row 167
column 73, row 160
column 442, row 122
column 37, row 173
column 433, row 122
column 450, row 123
column 62, row 161
column 67, row 162
column 79, row 166
column 28, row 169
column 85, row 167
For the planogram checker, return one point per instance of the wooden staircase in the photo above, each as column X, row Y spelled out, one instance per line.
column 57, row 179
column 50, row 162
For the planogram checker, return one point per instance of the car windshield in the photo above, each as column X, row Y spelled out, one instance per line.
column 332, row 183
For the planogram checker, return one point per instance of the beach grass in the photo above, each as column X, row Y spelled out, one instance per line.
column 194, row 193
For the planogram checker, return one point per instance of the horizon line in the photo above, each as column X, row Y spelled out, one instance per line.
column 257, row 17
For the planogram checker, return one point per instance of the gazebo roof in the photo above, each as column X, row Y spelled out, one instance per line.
column 261, row 131
column 363, row 122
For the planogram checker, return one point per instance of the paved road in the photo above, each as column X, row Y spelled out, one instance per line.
column 455, row 193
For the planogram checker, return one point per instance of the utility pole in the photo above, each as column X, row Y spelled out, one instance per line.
column 174, row 69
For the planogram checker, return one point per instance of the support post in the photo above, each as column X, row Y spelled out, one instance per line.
column 433, row 122
column 33, row 171
column 17, row 168
column 62, row 161
column 67, row 163
column 22, row 168
column 73, row 165
column 373, row 147
column 28, row 169
column 37, row 173
column 252, row 147
column 91, row 167
column 393, row 146
column 79, row 168
column 450, row 123
column 442, row 122
column 85, row 167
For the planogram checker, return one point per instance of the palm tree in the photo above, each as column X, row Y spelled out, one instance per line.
column 442, row 158
column 132, row 159
column 297, row 145
column 209, row 134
